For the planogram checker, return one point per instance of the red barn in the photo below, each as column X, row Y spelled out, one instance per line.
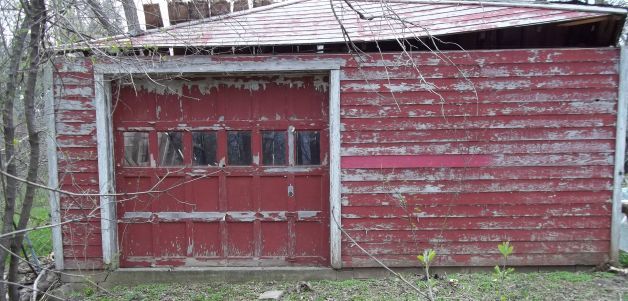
column 310, row 134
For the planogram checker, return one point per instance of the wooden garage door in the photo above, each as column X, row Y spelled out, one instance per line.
column 236, row 169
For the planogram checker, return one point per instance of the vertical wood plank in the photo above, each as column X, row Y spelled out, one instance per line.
column 620, row 150
column 334, row 170
column 257, row 224
column 53, row 169
column 189, row 233
column 222, row 207
column 291, row 216
column 105, row 169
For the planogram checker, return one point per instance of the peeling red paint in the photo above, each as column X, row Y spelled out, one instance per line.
column 416, row 161
column 527, row 159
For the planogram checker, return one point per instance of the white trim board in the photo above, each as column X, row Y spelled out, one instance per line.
column 102, row 101
column 335, row 235
column 53, row 168
column 620, row 151
column 208, row 66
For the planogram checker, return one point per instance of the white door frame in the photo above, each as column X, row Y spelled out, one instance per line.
column 208, row 65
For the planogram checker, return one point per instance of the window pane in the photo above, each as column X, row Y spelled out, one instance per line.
column 239, row 147
column 274, row 148
column 170, row 148
column 136, row 149
column 308, row 148
column 204, row 152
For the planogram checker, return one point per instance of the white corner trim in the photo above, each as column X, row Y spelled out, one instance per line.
column 620, row 149
column 335, row 234
column 53, row 168
column 108, row 221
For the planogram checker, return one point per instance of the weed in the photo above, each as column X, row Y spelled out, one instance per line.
column 505, row 249
column 89, row 291
column 426, row 259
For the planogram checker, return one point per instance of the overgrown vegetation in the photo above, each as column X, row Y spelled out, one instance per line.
column 464, row 286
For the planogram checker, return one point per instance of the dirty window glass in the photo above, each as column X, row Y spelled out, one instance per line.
column 136, row 149
column 170, row 148
column 239, row 147
column 274, row 147
column 308, row 148
column 204, row 148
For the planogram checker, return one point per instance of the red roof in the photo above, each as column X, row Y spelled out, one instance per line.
column 314, row 22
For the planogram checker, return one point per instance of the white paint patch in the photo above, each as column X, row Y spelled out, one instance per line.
column 212, row 84
column 320, row 84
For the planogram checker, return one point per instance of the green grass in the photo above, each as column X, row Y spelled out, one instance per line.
column 41, row 239
column 570, row 277
column 466, row 286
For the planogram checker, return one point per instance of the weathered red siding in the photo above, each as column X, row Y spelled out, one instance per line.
column 520, row 148
column 78, row 161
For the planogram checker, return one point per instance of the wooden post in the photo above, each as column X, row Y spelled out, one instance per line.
column 53, row 171
column 620, row 151
column 335, row 235
column 105, row 169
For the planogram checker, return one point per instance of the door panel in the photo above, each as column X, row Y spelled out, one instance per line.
column 235, row 169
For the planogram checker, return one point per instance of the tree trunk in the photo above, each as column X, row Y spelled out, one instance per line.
column 130, row 13
column 36, row 12
column 98, row 10
column 10, row 189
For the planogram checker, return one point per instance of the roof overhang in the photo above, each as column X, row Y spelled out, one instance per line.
column 316, row 22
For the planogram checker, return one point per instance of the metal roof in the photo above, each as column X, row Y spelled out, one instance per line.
column 316, row 22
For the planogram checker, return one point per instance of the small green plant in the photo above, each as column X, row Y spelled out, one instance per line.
column 501, row 273
column 89, row 291
column 426, row 260
column 623, row 258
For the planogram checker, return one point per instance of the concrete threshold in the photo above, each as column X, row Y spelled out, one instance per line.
column 132, row 276
column 138, row 276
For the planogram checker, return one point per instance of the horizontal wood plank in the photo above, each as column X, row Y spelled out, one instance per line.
column 479, row 148
column 477, row 97
column 479, row 223
column 404, row 211
column 476, row 122
column 477, row 186
column 488, row 260
column 477, row 173
column 472, row 84
column 476, row 248
column 486, row 135
column 473, row 71
column 502, row 109
column 526, row 198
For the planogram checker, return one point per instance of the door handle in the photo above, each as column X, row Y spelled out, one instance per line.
column 290, row 190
